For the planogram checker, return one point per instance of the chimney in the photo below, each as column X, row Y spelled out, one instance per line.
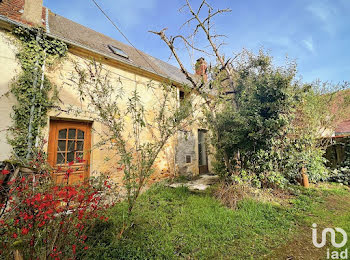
column 33, row 11
column 201, row 69
column 25, row 11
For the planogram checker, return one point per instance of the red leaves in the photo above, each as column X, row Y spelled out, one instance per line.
column 105, row 219
column 26, row 216
column 106, row 184
column 80, row 160
column 55, row 253
column 42, row 223
column 69, row 171
column 80, row 227
column 25, row 231
column 39, row 209
column 37, row 197
column 5, row 172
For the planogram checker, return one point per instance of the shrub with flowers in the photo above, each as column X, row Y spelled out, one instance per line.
column 40, row 219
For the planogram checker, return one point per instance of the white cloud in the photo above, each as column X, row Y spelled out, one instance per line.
column 309, row 44
column 326, row 13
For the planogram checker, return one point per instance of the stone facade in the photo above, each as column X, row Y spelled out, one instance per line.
column 186, row 156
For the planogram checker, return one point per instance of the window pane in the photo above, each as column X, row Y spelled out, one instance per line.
column 79, row 156
column 80, row 134
column 71, row 146
column 70, row 157
column 61, row 158
column 61, row 146
column 71, row 134
column 62, row 134
column 80, row 146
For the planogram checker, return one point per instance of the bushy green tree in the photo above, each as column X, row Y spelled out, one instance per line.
column 265, row 124
column 273, row 125
column 250, row 127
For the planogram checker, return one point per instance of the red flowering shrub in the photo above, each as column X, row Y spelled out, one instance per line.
column 44, row 220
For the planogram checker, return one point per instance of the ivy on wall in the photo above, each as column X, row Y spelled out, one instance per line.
column 34, row 92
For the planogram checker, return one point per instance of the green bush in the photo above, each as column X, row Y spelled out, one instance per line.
column 269, row 128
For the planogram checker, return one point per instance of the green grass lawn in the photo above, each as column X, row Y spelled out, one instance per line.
column 176, row 223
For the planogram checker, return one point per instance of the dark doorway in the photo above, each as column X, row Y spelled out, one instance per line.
column 202, row 152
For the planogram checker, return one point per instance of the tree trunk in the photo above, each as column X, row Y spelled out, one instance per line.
column 17, row 255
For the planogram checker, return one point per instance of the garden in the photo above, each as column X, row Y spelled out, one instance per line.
column 278, row 170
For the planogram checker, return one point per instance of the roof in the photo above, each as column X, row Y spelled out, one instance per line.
column 343, row 127
column 67, row 30
column 341, row 105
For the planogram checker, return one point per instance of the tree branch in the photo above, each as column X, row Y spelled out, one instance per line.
column 172, row 48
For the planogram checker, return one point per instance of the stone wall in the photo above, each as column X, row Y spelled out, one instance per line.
column 186, row 155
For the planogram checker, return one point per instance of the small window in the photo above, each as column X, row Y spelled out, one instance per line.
column 188, row 158
column 182, row 95
column 118, row 51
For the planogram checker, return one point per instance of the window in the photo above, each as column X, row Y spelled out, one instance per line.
column 70, row 148
column 118, row 51
column 188, row 158
column 182, row 95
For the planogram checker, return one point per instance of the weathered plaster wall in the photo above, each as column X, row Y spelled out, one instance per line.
column 103, row 160
column 9, row 67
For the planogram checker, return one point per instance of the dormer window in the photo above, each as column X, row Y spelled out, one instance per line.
column 118, row 51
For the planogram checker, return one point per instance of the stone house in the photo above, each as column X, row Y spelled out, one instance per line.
column 186, row 153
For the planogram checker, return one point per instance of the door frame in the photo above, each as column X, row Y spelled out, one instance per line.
column 54, row 127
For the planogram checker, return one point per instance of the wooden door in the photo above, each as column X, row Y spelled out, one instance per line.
column 69, row 146
column 202, row 152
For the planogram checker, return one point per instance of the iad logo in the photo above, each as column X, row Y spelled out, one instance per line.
column 324, row 234
column 334, row 254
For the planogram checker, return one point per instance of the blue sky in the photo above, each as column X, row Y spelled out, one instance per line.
column 315, row 33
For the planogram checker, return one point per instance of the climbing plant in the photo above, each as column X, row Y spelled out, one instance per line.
column 34, row 92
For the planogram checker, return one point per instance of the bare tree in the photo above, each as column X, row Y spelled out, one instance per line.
column 223, row 73
column 204, row 26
